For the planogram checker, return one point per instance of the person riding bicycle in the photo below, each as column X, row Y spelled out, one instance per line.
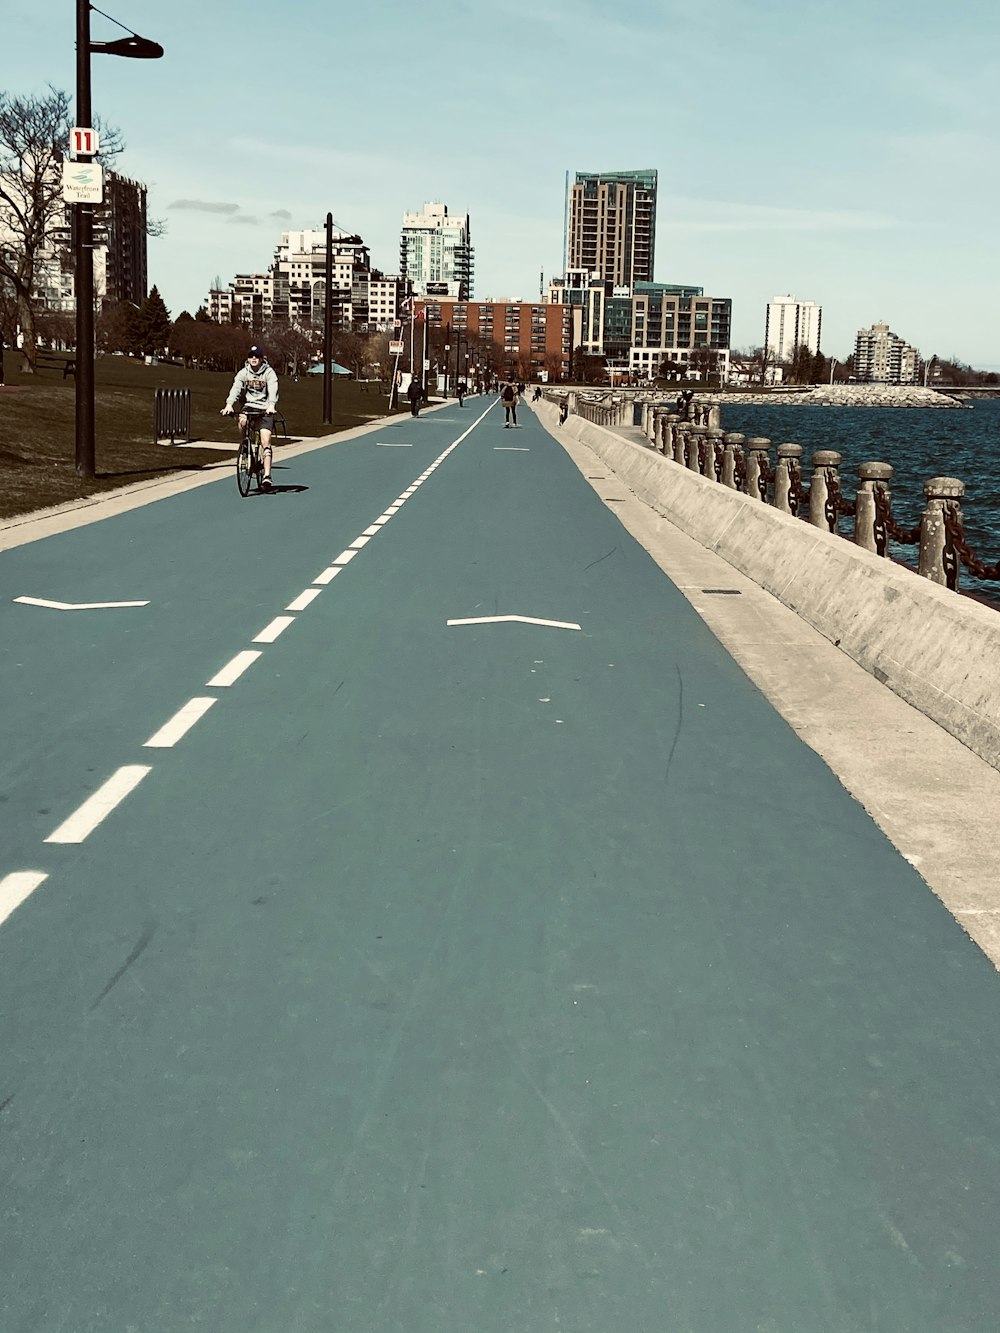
column 256, row 388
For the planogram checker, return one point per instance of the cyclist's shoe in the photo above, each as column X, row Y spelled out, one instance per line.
column 266, row 484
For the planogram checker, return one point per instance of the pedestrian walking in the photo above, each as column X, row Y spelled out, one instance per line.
column 508, row 396
column 414, row 392
column 462, row 390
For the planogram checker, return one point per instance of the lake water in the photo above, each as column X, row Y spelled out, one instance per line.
column 919, row 443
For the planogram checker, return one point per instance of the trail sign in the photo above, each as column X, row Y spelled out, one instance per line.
column 83, row 141
column 83, row 183
column 395, row 346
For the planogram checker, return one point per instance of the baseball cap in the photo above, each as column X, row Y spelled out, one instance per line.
column 255, row 351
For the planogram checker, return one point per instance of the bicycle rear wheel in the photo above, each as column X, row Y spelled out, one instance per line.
column 244, row 467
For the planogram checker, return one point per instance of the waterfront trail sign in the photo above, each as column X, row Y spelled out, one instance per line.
column 83, row 183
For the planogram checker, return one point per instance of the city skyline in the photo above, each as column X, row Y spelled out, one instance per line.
column 876, row 216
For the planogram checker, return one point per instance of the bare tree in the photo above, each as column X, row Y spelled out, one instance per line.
column 34, row 136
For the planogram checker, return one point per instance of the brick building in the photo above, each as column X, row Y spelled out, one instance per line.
column 530, row 340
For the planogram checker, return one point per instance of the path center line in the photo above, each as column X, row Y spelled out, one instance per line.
column 97, row 807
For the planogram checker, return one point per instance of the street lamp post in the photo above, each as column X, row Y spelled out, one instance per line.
column 137, row 48
column 328, row 328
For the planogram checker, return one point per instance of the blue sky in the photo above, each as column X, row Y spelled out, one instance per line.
column 844, row 152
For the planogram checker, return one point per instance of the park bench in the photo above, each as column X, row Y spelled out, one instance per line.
column 55, row 361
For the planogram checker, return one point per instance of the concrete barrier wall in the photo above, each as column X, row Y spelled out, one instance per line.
column 937, row 650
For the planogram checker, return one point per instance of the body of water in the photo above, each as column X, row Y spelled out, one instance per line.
column 919, row 443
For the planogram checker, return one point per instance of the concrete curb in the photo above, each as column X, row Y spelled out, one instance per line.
column 934, row 649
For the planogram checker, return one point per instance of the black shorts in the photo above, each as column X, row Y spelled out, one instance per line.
column 262, row 420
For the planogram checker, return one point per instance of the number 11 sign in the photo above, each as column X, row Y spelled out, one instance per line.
column 82, row 142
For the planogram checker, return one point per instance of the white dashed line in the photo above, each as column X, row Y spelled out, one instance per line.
column 180, row 724
column 97, row 807
column 270, row 632
column 303, row 599
column 15, row 888
column 233, row 670
column 19, row 885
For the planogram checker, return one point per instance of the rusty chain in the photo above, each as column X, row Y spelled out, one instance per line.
column 740, row 470
column 883, row 510
column 836, row 504
column 955, row 529
column 765, row 475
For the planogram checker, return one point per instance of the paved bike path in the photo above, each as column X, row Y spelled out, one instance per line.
column 484, row 976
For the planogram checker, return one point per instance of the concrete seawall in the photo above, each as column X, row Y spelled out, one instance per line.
column 935, row 649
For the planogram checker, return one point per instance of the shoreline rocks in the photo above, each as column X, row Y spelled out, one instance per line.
column 846, row 395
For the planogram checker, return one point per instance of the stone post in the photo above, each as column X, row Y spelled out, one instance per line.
column 655, row 432
column 647, row 413
column 825, row 463
column 943, row 494
column 680, row 441
column 865, row 512
column 696, row 435
column 714, row 416
column 714, row 438
column 760, row 452
column 789, row 461
column 732, row 449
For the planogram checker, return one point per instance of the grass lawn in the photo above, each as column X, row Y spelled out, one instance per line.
column 37, row 425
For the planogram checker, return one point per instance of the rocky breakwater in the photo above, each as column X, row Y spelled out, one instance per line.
column 847, row 395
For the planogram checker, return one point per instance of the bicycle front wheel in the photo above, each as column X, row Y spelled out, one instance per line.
column 244, row 467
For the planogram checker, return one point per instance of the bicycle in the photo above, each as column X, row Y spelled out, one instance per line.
column 249, row 465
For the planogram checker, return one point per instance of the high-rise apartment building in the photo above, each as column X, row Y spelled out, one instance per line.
column 611, row 226
column 120, row 246
column 791, row 323
column 436, row 255
column 882, row 357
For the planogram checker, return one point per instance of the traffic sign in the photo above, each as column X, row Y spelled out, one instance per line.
column 83, row 142
column 83, row 183
column 395, row 346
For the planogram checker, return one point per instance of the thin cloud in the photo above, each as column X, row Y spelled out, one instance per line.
column 244, row 220
column 204, row 206
column 280, row 213
column 714, row 216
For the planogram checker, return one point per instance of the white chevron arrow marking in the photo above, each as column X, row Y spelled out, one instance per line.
column 524, row 620
column 74, row 606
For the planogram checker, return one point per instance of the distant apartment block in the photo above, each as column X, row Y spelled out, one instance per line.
column 436, row 255
column 611, row 226
column 294, row 287
column 636, row 330
column 882, row 357
column 509, row 337
column 791, row 323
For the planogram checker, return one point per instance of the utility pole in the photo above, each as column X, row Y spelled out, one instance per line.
column 328, row 328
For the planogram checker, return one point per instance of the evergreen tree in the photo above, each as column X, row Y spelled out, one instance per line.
column 154, row 324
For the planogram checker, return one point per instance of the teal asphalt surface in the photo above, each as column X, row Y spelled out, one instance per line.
column 458, row 978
